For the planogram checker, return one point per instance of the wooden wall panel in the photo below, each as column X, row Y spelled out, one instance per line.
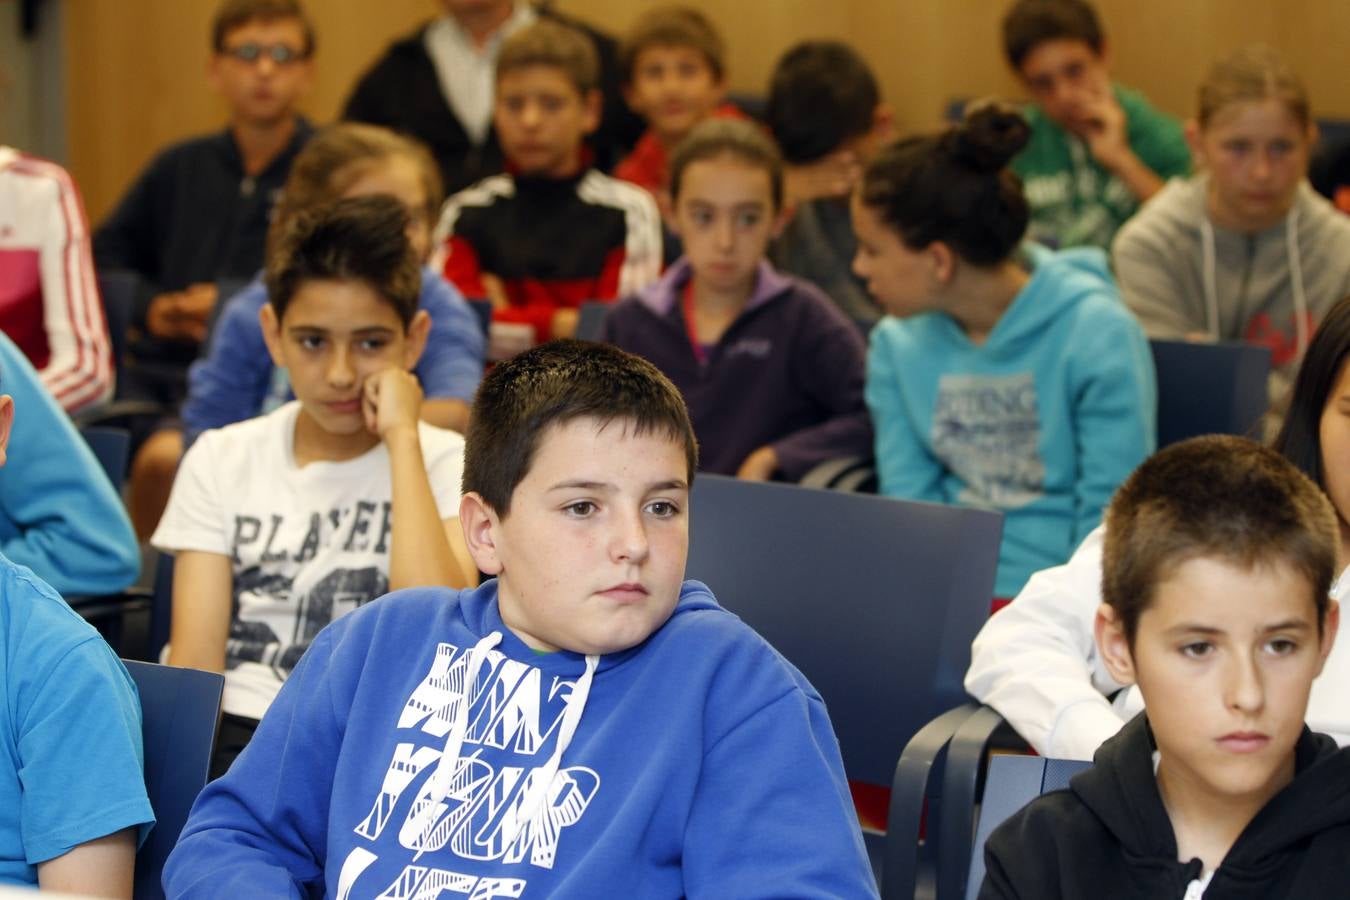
column 136, row 67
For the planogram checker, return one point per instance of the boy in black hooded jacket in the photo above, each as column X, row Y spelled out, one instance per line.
column 1217, row 567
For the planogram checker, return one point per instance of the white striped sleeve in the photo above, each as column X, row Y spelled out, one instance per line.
column 642, row 242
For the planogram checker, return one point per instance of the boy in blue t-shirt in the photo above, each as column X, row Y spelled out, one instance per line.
column 582, row 725
column 65, row 825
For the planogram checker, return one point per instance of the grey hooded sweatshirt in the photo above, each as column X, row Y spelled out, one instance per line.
column 1183, row 276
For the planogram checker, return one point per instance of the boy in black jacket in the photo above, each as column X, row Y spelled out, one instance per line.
column 1216, row 572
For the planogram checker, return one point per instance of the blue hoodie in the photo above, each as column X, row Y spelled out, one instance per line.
column 699, row 763
column 1043, row 421
column 59, row 514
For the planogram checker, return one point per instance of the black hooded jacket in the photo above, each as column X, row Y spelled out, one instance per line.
column 1108, row 836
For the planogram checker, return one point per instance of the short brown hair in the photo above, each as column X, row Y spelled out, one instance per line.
column 742, row 140
column 1030, row 23
column 553, row 384
column 1219, row 497
column 1254, row 72
column 672, row 26
column 337, row 156
column 549, row 43
column 358, row 239
column 231, row 14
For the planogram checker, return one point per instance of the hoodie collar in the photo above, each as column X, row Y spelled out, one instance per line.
column 663, row 296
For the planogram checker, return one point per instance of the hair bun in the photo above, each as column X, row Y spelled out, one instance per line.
column 991, row 135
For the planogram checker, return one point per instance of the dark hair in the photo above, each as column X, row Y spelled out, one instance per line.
column 822, row 94
column 1216, row 496
column 1249, row 73
column 955, row 187
column 232, row 14
column 742, row 140
column 553, row 384
column 338, row 156
column 1030, row 23
column 1299, row 440
column 672, row 26
column 550, row 43
column 357, row 239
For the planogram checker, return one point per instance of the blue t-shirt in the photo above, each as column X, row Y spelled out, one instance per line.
column 70, row 732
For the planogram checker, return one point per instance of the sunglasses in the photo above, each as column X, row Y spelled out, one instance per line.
column 251, row 52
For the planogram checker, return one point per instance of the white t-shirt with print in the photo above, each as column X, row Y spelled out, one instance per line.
column 307, row 544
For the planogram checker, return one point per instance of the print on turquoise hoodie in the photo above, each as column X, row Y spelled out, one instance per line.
column 1043, row 421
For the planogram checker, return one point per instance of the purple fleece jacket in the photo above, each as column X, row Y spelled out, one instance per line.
column 788, row 372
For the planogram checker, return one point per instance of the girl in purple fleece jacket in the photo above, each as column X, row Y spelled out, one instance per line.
column 771, row 371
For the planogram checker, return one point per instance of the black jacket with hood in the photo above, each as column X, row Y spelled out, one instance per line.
column 1108, row 837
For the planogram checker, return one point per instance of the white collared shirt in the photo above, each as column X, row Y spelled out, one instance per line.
column 466, row 71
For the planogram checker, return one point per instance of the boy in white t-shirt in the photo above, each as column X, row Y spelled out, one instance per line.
column 281, row 524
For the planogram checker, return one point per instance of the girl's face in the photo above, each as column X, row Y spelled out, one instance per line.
column 400, row 178
column 904, row 281
column 1334, row 440
column 1256, row 153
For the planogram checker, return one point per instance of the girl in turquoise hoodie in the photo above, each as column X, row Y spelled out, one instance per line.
column 1005, row 376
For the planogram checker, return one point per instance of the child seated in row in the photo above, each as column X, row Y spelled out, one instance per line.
column 771, row 370
column 283, row 523
column 236, row 379
column 73, row 807
column 552, row 232
column 1007, row 376
column 825, row 113
column 673, row 66
column 1216, row 568
column 583, row 725
column 1098, row 150
column 1245, row 250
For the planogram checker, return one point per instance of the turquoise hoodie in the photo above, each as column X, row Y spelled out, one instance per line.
column 1042, row 422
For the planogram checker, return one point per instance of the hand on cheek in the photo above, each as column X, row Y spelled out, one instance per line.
column 391, row 399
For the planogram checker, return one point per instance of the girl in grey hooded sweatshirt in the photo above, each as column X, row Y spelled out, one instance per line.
column 1244, row 250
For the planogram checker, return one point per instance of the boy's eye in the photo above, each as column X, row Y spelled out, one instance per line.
column 663, row 509
column 1236, row 147
column 1197, row 649
column 551, row 104
column 701, row 216
column 581, row 509
column 310, row 341
column 1282, row 646
column 372, row 345
column 749, row 219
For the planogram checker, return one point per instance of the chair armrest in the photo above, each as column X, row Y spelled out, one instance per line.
column 843, row 473
column 914, row 774
column 962, row 786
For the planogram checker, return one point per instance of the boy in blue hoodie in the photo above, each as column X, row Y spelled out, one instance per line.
column 583, row 725
column 1013, row 381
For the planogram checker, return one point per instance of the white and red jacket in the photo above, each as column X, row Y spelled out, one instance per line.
column 49, row 301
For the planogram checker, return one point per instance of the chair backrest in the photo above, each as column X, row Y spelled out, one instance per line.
column 118, row 288
column 180, row 709
column 112, row 449
column 482, row 308
column 1012, row 783
column 1210, row 388
column 590, row 318
column 161, row 606
column 875, row 600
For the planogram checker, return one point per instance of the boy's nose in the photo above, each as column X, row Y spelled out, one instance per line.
column 341, row 372
column 1245, row 688
column 629, row 541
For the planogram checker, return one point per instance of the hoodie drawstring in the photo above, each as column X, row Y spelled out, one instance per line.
column 1295, row 276
column 423, row 817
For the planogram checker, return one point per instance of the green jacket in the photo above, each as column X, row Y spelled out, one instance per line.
column 1074, row 200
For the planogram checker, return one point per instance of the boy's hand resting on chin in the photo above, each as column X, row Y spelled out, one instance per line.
column 391, row 401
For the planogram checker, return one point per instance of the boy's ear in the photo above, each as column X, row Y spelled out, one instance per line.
column 479, row 522
column 416, row 340
column 594, row 102
column 781, row 220
column 943, row 262
column 271, row 329
column 1109, row 633
column 883, row 123
column 1330, row 625
column 6, row 423
column 1193, row 141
